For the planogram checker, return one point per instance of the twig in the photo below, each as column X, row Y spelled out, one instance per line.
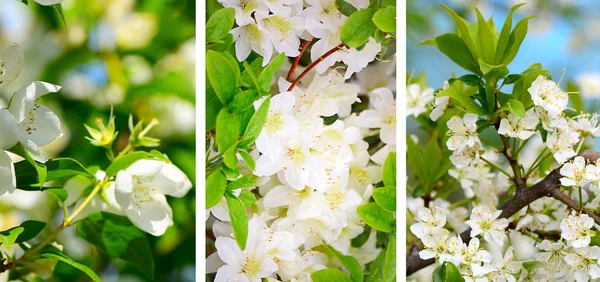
column 303, row 48
column 314, row 64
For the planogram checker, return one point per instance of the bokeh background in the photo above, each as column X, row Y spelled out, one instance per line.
column 137, row 55
column 564, row 35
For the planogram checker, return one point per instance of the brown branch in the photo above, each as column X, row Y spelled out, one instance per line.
column 314, row 64
column 549, row 187
column 303, row 48
column 514, row 164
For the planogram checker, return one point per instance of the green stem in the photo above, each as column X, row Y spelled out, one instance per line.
column 125, row 151
column 521, row 145
column 496, row 167
column 461, row 202
column 580, row 145
column 66, row 223
column 537, row 162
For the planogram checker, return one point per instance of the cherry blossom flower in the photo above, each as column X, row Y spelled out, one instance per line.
column 484, row 220
column 548, row 95
column 428, row 219
column 463, row 132
column 517, row 127
column 574, row 172
column 577, row 230
column 418, row 99
column 439, row 106
column 383, row 116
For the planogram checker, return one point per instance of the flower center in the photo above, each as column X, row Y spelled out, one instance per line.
column 274, row 123
column 29, row 122
column 251, row 265
column 249, row 6
column 280, row 24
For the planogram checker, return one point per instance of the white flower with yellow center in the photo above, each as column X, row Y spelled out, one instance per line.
column 548, row 95
column 574, row 173
column 519, row 127
column 550, row 121
column 244, row 9
column 251, row 264
column 383, row 116
column 586, row 124
column 463, row 132
column 584, row 263
column 326, row 12
column 284, row 31
column 427, row 220
column 279, row 125
column 484, row 220
column 140, row 191
column 418, row 99
column 252, row 37
column 561, row 141
column 553, row 257
column 436, row 243
column 577, row 230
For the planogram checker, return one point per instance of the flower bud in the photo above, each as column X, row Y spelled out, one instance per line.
column 104, row 136
column 138, row 136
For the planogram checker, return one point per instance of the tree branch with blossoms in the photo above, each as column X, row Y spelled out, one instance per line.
column 487, row 134
column 548, row 187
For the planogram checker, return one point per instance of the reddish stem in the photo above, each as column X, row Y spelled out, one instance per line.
column 297, row 59
column 314, row 64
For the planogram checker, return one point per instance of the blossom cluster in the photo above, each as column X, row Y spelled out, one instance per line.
column 272, row 27
column 312, row 176
column 474, row 262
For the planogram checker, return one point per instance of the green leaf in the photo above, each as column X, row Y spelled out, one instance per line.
column 361, row 239
column 223, row 74
column 59, row 10
column 389, row 269
column 463, row 101
column 486, row 40
column 230, row 159
column 385, row 19
column 358, row 28
column 385, row 197
column 228, row 131
column 119, row 239
column 41, row 172
column 243, row 100
column 349, row 262
column 389, row 170
column 59, row 168
column 215, row 187
column 60, row 193
column 125, row 161
column 265, row 78
column 463, row 30
column 247, row 197
column 469, row 79
column 248, row 159
column 239, row 219
column 9, row 237
column 455, row 48
column 28, row 230
column 447, row 272
column 62, row 257
column 514, row 41
column 505, row 34
column 222, row 44
column 515, row 107
column 345, row 8
column 246, row 180
column 213, row 106
column 255, row 125
column 329, row 275
column 377, row 217
column 219, row 24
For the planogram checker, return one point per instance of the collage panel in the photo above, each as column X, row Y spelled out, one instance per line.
column 97, row 140
column 300, row 140
column 502, row 160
